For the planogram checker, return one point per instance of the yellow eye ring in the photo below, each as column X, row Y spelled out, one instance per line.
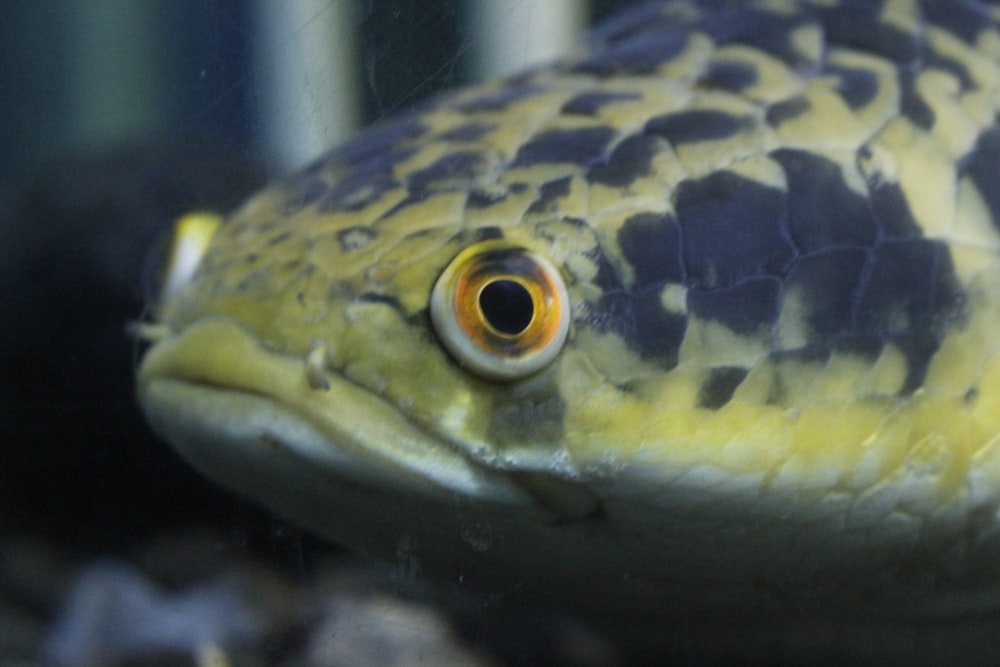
column 502, row 311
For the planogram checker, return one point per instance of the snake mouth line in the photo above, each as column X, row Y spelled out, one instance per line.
column 221, row 400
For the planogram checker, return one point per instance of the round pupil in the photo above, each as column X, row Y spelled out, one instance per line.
column 507, row 306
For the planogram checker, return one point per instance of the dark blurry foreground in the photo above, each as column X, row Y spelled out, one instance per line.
column 80, row 249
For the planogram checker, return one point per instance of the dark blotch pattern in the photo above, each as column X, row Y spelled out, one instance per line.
column 787, row 110
column 303, row 190
column 918, row 347
column 911, row 104
column 630, row 160
column 827, row 281
column 549, row 195
column 406, row 202
column 582, row 147
column 736, row 24
column 908, row 287
column 647, row 18
column 858, row 87
column 910, row 296
column 468, row 132
column 786, row 365
column 375, row 143
column 971, row 395
column 487, row 234
column 640, row 54
column 732, row 229
column 607, row 278
column 368, row 179
column 480, row 199
column 732, row 76
column 983, row 167
column 279, row 238
column 856, row 24
column 699, row 125
column 384, row 299
column 499, row 101
column 652, row 245
column 893, row 212
column 745, row 307
column 966, row 19
column 640, row 320
column 590, row 104
column 461, row 166
column 720, row 386
column 934, row 60
column 822, row 210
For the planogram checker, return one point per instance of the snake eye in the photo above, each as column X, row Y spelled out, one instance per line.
column 501, row 310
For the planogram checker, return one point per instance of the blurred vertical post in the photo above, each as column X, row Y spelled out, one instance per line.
column 115, row 87
column 306, row 65
column 510, row 35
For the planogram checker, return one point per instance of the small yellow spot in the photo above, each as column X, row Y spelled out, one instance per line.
column 709, row 340
column 903, row 15
column 829, row 123
column 926, row 175
column 192, row 234
column 673, row 298
column 808, row 42
column 888, row 373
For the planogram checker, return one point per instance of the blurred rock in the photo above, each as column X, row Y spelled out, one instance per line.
column 382, row 630
column 113, row 614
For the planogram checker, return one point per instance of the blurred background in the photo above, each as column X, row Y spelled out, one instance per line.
column 284, row 79
column 116, row 116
